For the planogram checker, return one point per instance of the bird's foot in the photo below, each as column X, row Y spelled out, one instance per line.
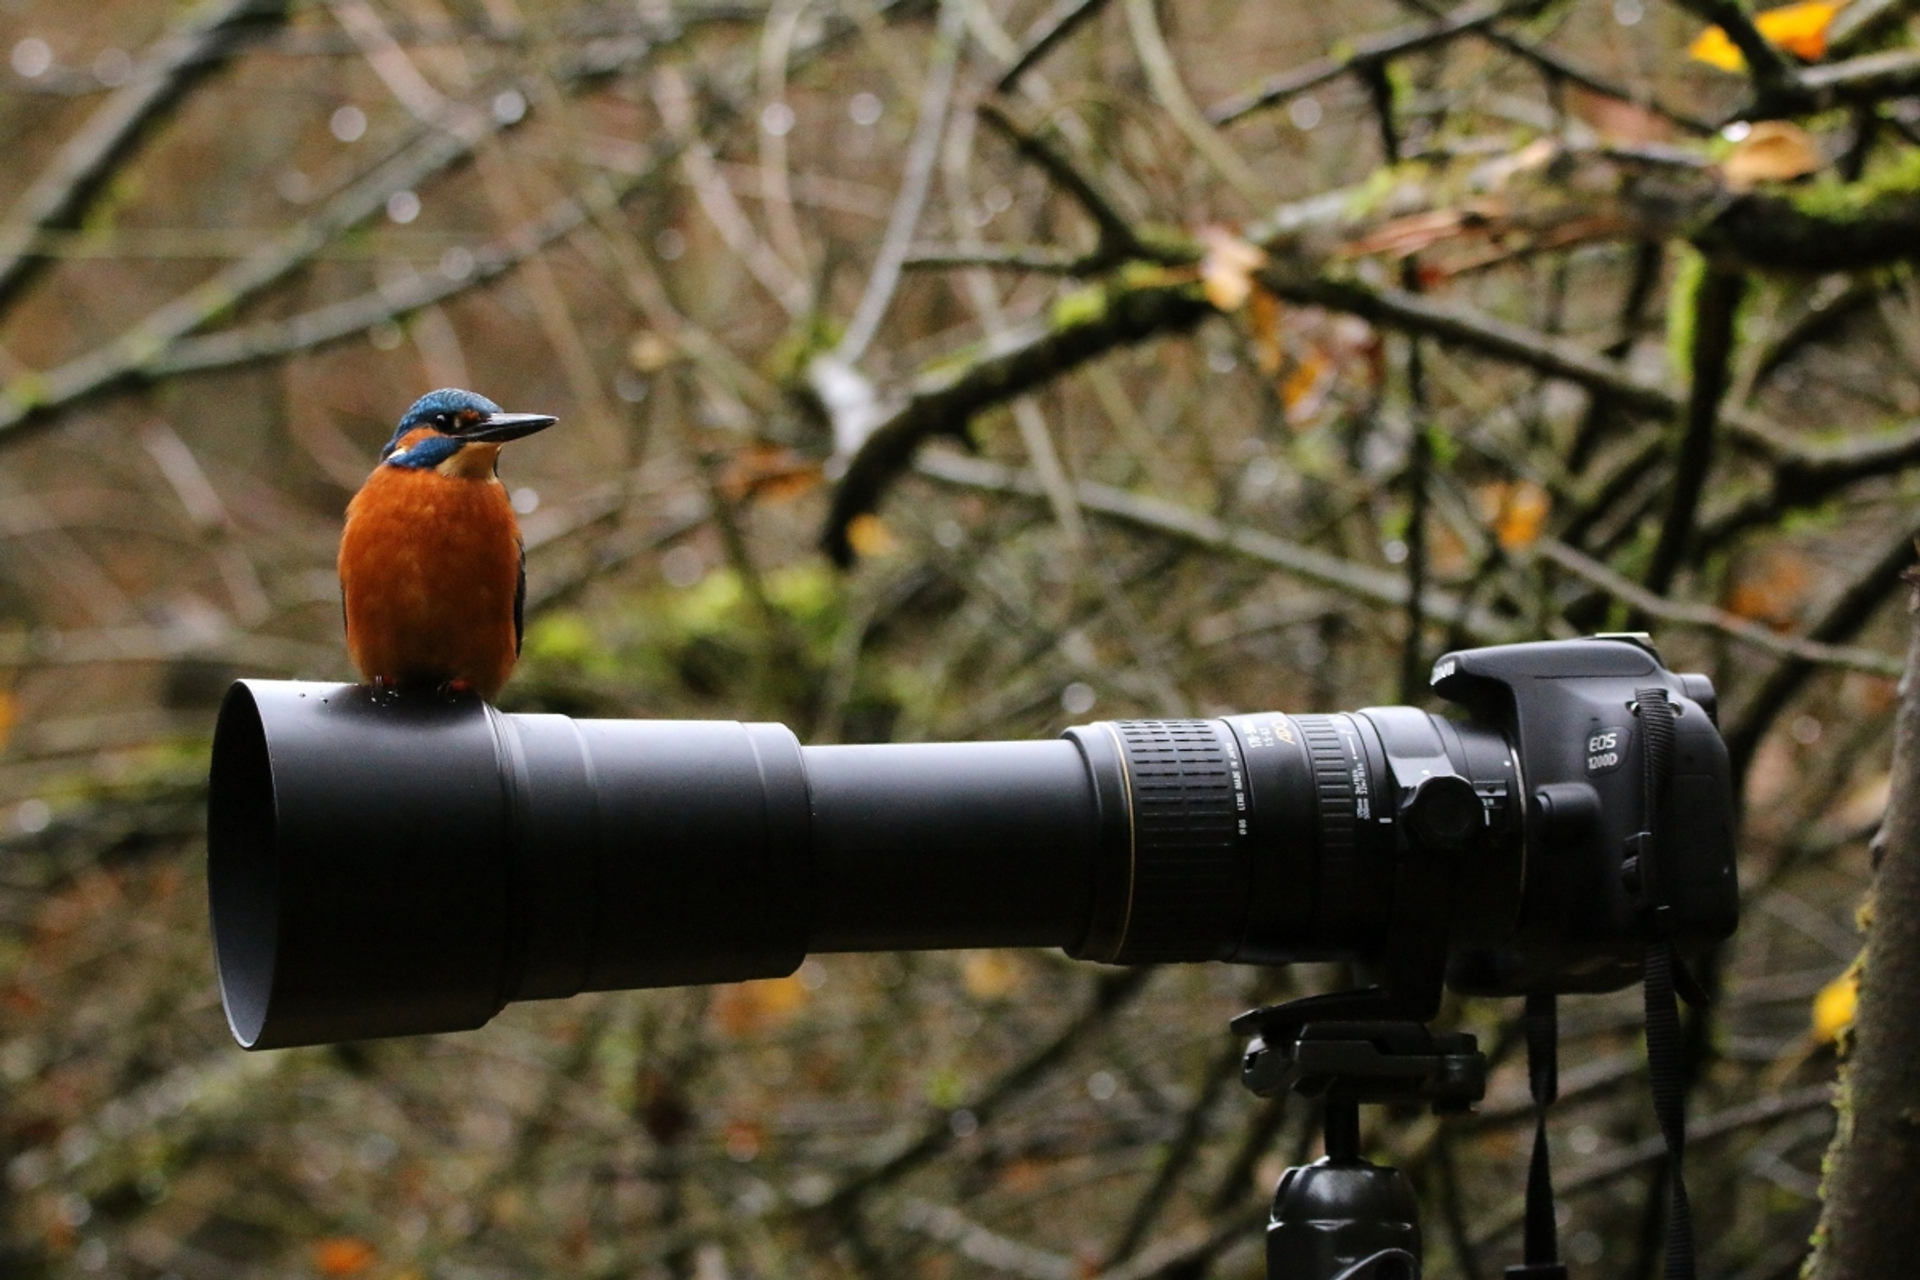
column 457, row 686
column 384, row 684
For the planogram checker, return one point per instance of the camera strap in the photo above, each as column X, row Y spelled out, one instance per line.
column 1666, row 975
column 1543, row 1079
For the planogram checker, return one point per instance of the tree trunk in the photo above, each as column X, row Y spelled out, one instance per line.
column 1868, row 1227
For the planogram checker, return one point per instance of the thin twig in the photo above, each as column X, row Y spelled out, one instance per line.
column 1856, row 604
column 1418, row 474
column 1048, row 30
column 1163, row 74
column 1169, row 519
column 1111, row 992
column 1117, row 237
column 1814, row 652
column 1710, row 361
column 988, row 1248
column 1773, row 77
column 923, row 150
column 1051, row 262
column 673, row 97
column 985, row 297
column 1463, row 326
column 1175, row 1160
column 1647, row 259
column 88, row 159
column 1874, row 77
column 776, row 46
column 269, row 339
column 1558, row 68
column 943, row 402
column 134, row 354
column 1368, row 51
column 1607, row 1169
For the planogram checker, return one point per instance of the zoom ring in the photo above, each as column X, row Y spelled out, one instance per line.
column 1187, row 896
column 1333, row 768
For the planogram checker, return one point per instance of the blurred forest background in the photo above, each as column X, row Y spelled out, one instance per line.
column 929, row 369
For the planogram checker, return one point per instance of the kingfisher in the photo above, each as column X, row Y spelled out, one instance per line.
column 433, row 574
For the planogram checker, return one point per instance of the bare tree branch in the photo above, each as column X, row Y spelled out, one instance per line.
column 1813, row 653
column 1157, row 515
column 1048, row 30
column 944, row 403
column 163, row 76
column 1365, row 53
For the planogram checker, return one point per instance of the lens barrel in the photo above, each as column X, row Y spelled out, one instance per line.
column 385, row 865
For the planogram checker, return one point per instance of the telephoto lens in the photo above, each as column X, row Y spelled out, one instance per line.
column 384, row 864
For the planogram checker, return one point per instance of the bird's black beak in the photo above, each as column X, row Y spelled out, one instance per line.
column 496, row 427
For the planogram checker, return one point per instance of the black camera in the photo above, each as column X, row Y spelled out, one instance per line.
column 386, row 865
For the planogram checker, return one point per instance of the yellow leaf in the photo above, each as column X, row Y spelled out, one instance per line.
column 1833, row 1007
column 9, row 713
column 1770, row 588
column 769, row 471
column 746, row 1007
column 1800, row 29
column 1772, row 151
column 1517, row 512
column 1226, row 269
column 1263, row 317
column 991, row 975
column 868, row 535
column 1305, row 389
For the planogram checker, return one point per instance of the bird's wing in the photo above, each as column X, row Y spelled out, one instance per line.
column 520, row 600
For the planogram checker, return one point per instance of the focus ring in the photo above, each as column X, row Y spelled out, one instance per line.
column 1332, row 784
column 1187, row 898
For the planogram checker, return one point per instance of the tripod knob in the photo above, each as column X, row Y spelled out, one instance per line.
column 1443, row 813
column 1344, row 1219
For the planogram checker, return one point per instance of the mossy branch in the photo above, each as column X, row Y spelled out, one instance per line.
column 943, row 401
column 1867, row 1224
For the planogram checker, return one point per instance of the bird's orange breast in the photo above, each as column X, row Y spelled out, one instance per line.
column 429, row 568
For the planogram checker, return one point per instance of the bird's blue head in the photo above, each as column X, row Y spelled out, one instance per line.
column 442, row 423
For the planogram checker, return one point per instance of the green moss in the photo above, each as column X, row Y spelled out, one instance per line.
column 1690, row 268
column 1824, row 518
column 123, row 192
column 1168, row 244
column 1080, row 306
column 705, row 641
column 1369, row 195
column 25, row 392
column 946, row 1087
column 709, row 604
column 808, row 337
column 561, row 637
column 809, row 592
column 1830, row 198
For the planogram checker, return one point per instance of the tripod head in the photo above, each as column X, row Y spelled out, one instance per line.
column 1343, row 1217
